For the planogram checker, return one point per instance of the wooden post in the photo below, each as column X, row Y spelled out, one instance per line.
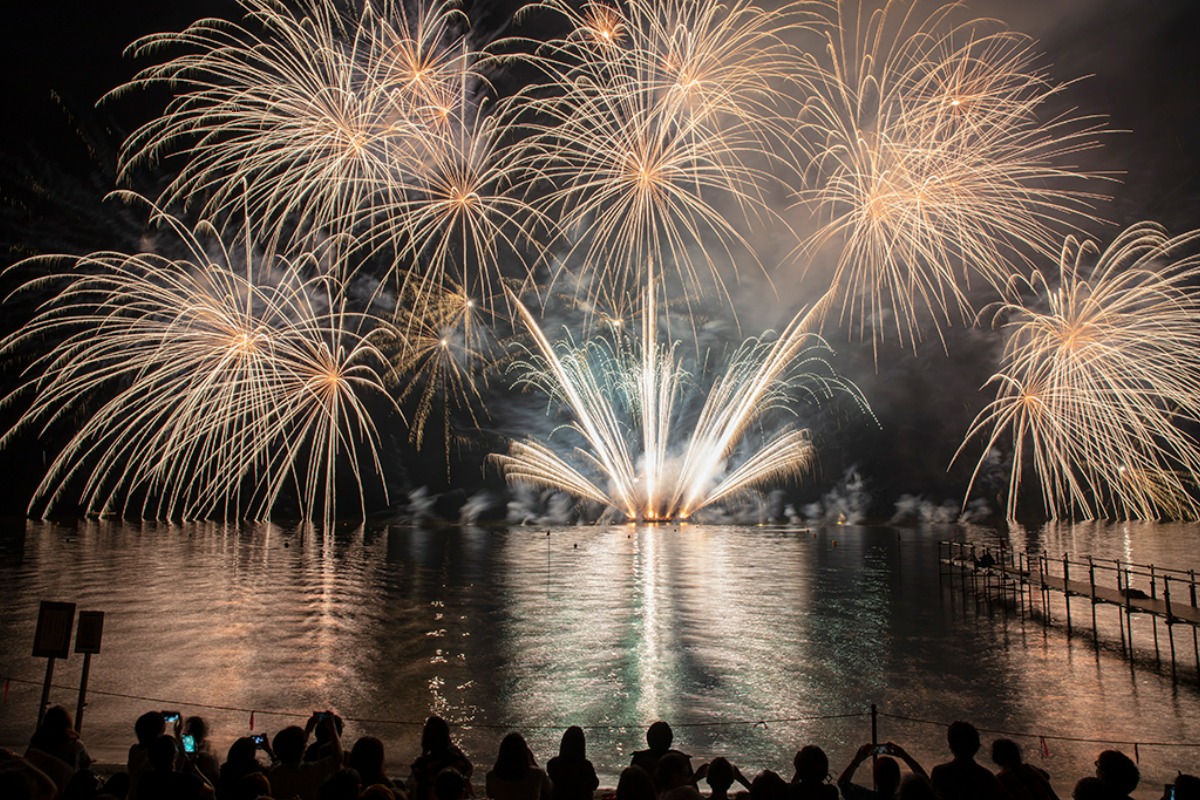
column 83, row 683
column 1092, row 583
column 1170, row 623
column 87, row 641
column 45, row 703
column 1067, row 591
column 974, row 571
column 1195, row 637
column 1120, row 610
column 1153, row 616
column 1043, row 568
column 1128, row 615
column 1021, row 581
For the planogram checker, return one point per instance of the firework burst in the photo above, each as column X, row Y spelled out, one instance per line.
column 1099, row 389
column 652, row 116
column 933, row 159
column 207, row 387
column 637, row 464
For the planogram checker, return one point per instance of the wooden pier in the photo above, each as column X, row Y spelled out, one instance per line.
column 1165, row 595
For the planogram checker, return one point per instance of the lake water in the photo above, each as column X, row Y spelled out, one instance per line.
column 711, row 628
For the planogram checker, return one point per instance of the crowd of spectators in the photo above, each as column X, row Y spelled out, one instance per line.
column 172, row 759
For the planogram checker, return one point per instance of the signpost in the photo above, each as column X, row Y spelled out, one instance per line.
column 87, row 641
column 52, row 640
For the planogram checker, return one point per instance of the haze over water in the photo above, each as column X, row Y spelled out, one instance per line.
column 711, row 628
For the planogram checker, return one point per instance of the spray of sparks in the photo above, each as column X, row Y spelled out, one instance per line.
column 611, row 385
column 366, row 150
column 210, row 386
column 931, row 160
column 1100, row 382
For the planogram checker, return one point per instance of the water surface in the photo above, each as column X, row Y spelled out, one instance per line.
column 712, row 628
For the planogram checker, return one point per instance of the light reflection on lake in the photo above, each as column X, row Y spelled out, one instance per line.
column 712, row 628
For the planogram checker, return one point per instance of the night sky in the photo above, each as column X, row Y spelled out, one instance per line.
column 57, row 59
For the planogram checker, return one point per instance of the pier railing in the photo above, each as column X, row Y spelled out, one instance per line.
column 1162, row 593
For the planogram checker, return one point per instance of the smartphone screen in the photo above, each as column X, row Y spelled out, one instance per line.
column 189, row 743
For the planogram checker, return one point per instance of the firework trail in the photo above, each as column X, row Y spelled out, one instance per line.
column 932, row 160
column 1099, row 388
column 208, row 387
column 605, row 387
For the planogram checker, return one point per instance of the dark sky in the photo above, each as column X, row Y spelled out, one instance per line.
column 1144, row 72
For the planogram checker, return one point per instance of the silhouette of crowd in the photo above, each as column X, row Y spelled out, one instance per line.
column 172, row 759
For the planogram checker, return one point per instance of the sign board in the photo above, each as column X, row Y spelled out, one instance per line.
column 91, row 629
column 52, row 639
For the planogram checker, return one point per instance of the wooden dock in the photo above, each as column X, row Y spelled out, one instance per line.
column 1165, row 595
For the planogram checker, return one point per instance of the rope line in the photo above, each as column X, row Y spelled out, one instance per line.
column 1043, row 736
column 754, row 722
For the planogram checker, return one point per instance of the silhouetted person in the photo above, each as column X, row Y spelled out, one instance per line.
column 55, row 747
column 659, row 736
column 886, row 772
column 292, row 775
column 1092, row 789
column 962, row 778
column 635, row 784
column 147, row 729
column 449, row 784
column 56, row 736
column 768, row 785
column 206, row 760
column 320, row 746
column 1187, row 787
column 438, row 752
column 812, row 772
column 1016, row 779
column 1118, row 772
column 117, row 786
column 251, row 786
column 720, row 775
column 570, row 772
column 242, row 760
column 162, row 782
column 344, row 784
column 20, row 780
column 674, row 779
column 916, row 787
column 516, row 775
column 367, row 757
column 84, row 785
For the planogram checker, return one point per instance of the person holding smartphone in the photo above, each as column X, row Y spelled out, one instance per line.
column 886, row 772
column 164, row 782
column 206, row 760
column 292, row 775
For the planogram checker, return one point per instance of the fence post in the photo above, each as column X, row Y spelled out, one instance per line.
column 1170, row 623
column 1092, row 584
column 1120, row 610
column 1195, row 637
column 1067, row 591
column 1153, row 616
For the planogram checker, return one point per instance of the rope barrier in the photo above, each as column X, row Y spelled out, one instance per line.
column 169, row 703
column 762, row 722
column 1042, row 737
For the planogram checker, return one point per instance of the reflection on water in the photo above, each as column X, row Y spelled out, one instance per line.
column 712, row 628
